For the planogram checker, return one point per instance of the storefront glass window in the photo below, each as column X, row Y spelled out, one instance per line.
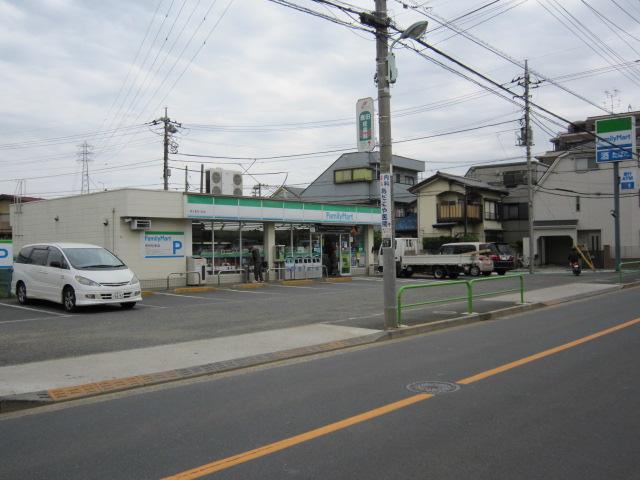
column 227, row 249
column 357, row 246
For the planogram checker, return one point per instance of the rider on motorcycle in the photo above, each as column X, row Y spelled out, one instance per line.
column 573, row 257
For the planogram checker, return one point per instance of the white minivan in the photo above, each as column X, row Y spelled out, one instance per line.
column 73, row 274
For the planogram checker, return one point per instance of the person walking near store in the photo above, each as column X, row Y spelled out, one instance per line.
column 256, row 261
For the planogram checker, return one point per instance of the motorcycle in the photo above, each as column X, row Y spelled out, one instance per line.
column 575, row 268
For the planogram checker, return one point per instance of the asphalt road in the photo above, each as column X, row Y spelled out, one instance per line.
column 570, row 413
column 44, row 331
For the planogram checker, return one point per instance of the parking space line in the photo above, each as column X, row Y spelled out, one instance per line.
column 180, row 295
column 34, row 309
column 146, row 305
column 248, row 291
column 22, row 320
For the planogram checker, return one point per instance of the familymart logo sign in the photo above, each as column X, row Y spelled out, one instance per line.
column 616, row 140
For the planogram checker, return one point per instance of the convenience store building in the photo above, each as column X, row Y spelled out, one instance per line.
column 158, row 233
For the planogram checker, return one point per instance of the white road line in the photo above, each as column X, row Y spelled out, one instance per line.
column 33, row 309
column 180, row 295
column 146, row 305
column 34, row 319
column 247, row 291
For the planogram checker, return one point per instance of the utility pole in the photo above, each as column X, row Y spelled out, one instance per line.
column 384, row 121
column 526, row 140
column 381, row 22
column 169, row 129
column 257, row 189
column 616, row 211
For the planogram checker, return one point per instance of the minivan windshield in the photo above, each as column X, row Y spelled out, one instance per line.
column 92, row 259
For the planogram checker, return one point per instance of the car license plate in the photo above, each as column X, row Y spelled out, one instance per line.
column 118, row 295
column 504, row 257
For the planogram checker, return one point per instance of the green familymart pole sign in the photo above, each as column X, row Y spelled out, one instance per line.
column 616, row 140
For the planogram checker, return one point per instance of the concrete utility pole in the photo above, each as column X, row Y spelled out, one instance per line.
column 169, row 129
column 384, row 122
column 616, row 211
column 527, row 140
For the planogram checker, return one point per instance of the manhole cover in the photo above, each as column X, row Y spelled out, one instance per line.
column 434, row 388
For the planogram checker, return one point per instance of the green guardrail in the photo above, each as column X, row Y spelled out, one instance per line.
column 468, row 297
column 404, row 288
column 621, row 266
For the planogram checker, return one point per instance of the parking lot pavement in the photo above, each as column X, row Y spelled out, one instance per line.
column 44, row 331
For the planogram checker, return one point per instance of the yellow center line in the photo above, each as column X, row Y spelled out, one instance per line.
column 546, row 353
column 228, row 462
column 225, row 463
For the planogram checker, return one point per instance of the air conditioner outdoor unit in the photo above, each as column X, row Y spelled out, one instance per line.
column 214, row 181
column 140, row 224
column 232, row 183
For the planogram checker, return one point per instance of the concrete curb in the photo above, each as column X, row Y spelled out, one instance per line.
column 53, row 396
column 248, row 285
column 147, row 293
column 338, row 279
column 181, row 290
column 306, row 281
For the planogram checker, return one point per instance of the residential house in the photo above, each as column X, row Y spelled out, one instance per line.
column 573, row 201
column 353, row 178
column 514, row 210
column 287, row 192
column 453, row 206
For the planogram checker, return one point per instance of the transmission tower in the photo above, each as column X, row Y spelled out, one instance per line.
column 84, row 154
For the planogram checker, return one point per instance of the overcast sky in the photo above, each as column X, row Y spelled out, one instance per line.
column 274, row 82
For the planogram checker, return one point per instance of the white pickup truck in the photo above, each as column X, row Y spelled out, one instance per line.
column 410, row 259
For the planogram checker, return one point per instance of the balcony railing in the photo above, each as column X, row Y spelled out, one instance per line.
column 455, row 213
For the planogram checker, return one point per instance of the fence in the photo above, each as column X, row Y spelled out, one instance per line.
column 621, row 269
column 468, row 297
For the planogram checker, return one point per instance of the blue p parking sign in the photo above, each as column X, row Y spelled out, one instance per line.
column 6, row 254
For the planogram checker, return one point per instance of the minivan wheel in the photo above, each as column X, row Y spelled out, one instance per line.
column 128, row 305
column 474, row 271
column 501, row 272
column 69, row 299
column 21, row 293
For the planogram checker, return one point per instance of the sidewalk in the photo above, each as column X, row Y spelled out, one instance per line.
column 46, row 382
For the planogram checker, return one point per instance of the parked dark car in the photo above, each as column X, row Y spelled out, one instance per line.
column 503, row 256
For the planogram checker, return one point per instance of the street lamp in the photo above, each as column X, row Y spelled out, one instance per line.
column 386, row 73
column 414, row 32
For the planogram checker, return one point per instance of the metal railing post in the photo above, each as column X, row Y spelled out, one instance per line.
column 469, row 297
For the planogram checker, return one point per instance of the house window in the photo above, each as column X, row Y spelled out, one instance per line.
column 409, row 180
column 515, row 178
column 514, row 211
column 362, row 174
column 490, row 210
column 398, row 177
column 353, row 175
column 577, row 203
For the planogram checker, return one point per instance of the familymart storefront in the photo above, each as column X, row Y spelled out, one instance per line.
column 296, row 239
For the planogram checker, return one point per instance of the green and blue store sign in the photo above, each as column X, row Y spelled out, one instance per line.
column 261, row 210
